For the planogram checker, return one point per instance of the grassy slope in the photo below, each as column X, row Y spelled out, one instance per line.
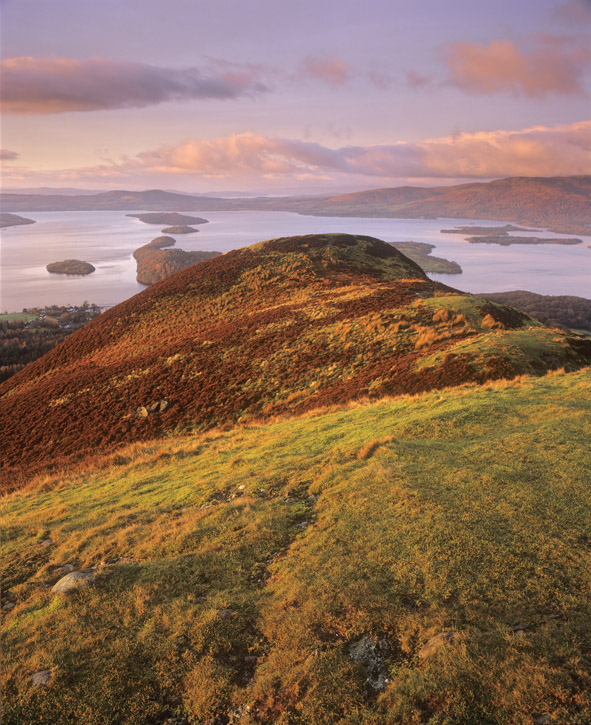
column 280, row 327
column 465, row 510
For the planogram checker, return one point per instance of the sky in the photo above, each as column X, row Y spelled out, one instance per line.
column 292, row 96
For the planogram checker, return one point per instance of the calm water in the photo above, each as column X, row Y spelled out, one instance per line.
column 107, row 240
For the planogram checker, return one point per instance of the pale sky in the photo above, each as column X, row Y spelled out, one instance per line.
column 282, row 96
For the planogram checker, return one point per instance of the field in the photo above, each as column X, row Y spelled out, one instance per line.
column 293, row 571
column 17, row 317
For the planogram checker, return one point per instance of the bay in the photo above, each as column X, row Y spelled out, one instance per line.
column 107, row 240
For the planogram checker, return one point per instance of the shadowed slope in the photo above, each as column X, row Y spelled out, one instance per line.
column 285, row 325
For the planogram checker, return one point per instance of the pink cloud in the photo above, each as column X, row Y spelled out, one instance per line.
column 329, row 69
column 539, row 151
column 59, row 85
column 554, row 65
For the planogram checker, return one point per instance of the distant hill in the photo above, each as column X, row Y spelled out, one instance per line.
column 280, row 327
column 561, row 203
column 566, row 310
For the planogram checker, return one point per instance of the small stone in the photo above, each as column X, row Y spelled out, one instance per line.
column 241, row 487
column 250, row 660
column 435, row 643
column 154, row 407
column 542, row 719
column 302, row 525
column 41, row 678
column 371, row 654
column 164, row 404
column 8, row 606
column 74, row 580
column 226, row 613
column 65, row 569
column 200, row 600
column 46, row 542
column 141, row 412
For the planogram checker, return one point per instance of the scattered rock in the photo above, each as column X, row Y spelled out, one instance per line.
column 74, row 580
column 241, row 487
column 145, row 410
column 518, row 629
column 41, row 678
column 442, row 639
column 8, row 606
column 542, row 719
column 302, row 525
column 226, row 613
column 371, row 654
column 65, row 569
column 46, row 542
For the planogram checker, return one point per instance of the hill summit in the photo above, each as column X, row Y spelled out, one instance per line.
column 283, row 326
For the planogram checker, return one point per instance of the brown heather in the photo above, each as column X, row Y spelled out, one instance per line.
column 285, row 326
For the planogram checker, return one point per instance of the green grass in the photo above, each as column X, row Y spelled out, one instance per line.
column 17, row 317
column 463, row 510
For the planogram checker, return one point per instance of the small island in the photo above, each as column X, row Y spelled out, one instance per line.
column 506, row 241
column 491, row 231
column 13, row 220
column 169, row 218
column 420, row 252
column 155, row 262
column 180, row 229
column 70, row 266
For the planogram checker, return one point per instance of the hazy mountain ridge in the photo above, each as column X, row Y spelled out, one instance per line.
column 562, row 203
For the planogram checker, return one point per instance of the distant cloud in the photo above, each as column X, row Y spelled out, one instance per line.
column 59, row 85
column 381, row 80
column 573, row 12
column 417, row 81
column 329, row 69
column 6, row 155
column 554, row 65
column 538, row 151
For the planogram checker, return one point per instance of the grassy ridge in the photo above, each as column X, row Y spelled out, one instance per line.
column 238, row 569
column 280, row 327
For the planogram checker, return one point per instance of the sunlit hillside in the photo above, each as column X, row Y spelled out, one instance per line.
column 416, row 559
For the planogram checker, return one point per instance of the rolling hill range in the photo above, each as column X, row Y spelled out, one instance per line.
column 562, row 203
column 421, row 559
column 282, row 327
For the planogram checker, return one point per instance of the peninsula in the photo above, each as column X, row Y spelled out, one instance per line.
column 420, row 252
column 13, row 220
column 155, row 262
